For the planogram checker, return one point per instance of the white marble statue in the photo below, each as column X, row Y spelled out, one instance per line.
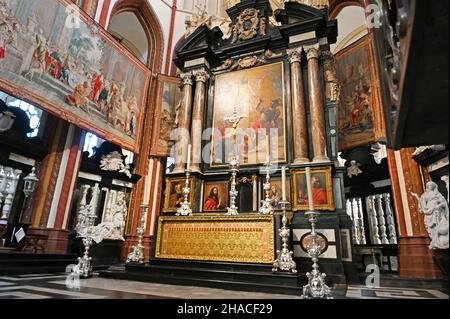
column 445, row 180
column 435, row 208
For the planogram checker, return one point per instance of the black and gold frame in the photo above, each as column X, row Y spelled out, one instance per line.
column 322, row 189
column 174, row 193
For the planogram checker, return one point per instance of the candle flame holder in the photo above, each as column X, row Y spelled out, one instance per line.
column 185, row 209
column 316, row 287
column 285, row 262
column 266, row 207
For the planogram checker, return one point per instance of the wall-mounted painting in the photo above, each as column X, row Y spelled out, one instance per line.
column 174, row 193
column 276, row 192
column 258, row 96
column 54, row 56
column 322, row 188
column 360, row 117
column 168, row 101
column 216, row 196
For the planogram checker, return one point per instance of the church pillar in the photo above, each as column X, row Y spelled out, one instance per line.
column 316, row 105
column 415, row 258
column 301, row 148
column 49, row 211
column 182, row 138
column 201, row 76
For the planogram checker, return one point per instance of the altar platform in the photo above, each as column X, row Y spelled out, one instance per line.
column 228, row 252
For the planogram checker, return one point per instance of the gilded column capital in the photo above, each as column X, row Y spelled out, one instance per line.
column 186, row 78
column 201, row 76
column 295, row 55
column 313, row 52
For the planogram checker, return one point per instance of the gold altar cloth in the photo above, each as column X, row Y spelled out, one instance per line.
column 246, row 239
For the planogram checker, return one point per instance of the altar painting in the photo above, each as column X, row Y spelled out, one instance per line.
column 53, row 55
column 168, row 104
column 359, row 117
column 257, row 94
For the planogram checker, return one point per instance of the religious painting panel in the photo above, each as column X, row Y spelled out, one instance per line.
column 276, row 192
column 322, row 189
column 360, row 116
column 257, row 95
column 174, row 193
column 168, row 101
column 216, row 196
column 53, row 55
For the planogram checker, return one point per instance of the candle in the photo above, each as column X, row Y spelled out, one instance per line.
column 268, row 149
column 310, row 192
column 283, row 182
column 189, row 157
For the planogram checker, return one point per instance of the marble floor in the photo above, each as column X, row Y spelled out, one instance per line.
column 57, row 286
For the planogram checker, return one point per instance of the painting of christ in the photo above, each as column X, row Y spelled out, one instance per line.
column 257, row 95
column 216, row 196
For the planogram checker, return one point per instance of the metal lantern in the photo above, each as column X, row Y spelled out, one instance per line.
column 30, row 183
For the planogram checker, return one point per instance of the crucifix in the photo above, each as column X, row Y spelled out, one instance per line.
column 234, row 119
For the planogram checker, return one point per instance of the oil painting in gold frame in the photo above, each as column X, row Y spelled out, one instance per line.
column 322, row 189
column 174, row 193
column 360, row 116
column 168, row 99
column 257, row 94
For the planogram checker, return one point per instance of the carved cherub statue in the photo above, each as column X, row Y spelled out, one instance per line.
column 435, row 208
column 198, row 19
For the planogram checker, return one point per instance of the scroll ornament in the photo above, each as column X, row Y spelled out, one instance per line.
column 435, row 208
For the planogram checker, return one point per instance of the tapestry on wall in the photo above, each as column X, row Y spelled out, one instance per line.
column 360, row 115
column 54, row 56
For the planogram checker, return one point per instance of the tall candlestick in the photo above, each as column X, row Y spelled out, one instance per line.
column 310, row 192
column 283, row 182
column 189, row 157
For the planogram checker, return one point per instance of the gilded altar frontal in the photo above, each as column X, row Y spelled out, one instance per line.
column 224, row 149
column 215, row 238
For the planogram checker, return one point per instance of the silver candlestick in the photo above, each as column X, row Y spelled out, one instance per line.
column 137, row 253
column 185, row 209
column 233, row 209
column 84, row 267
column 284, row 261
column 266, row 207
column 316, row 287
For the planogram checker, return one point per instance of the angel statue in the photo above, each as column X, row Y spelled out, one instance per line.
column 435, row 208
column 354, row 169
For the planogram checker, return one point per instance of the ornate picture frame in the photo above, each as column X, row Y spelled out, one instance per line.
column 276, row 191
column 215, row 201
column 322, row 189
column 174, row 193
column 261, row 92
column 168, row 98
column 361, row 115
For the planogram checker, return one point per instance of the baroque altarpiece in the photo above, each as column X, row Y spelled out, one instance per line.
column 275, row 69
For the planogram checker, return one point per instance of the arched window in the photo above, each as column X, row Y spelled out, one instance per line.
column 128, row 30
column 33, row 113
